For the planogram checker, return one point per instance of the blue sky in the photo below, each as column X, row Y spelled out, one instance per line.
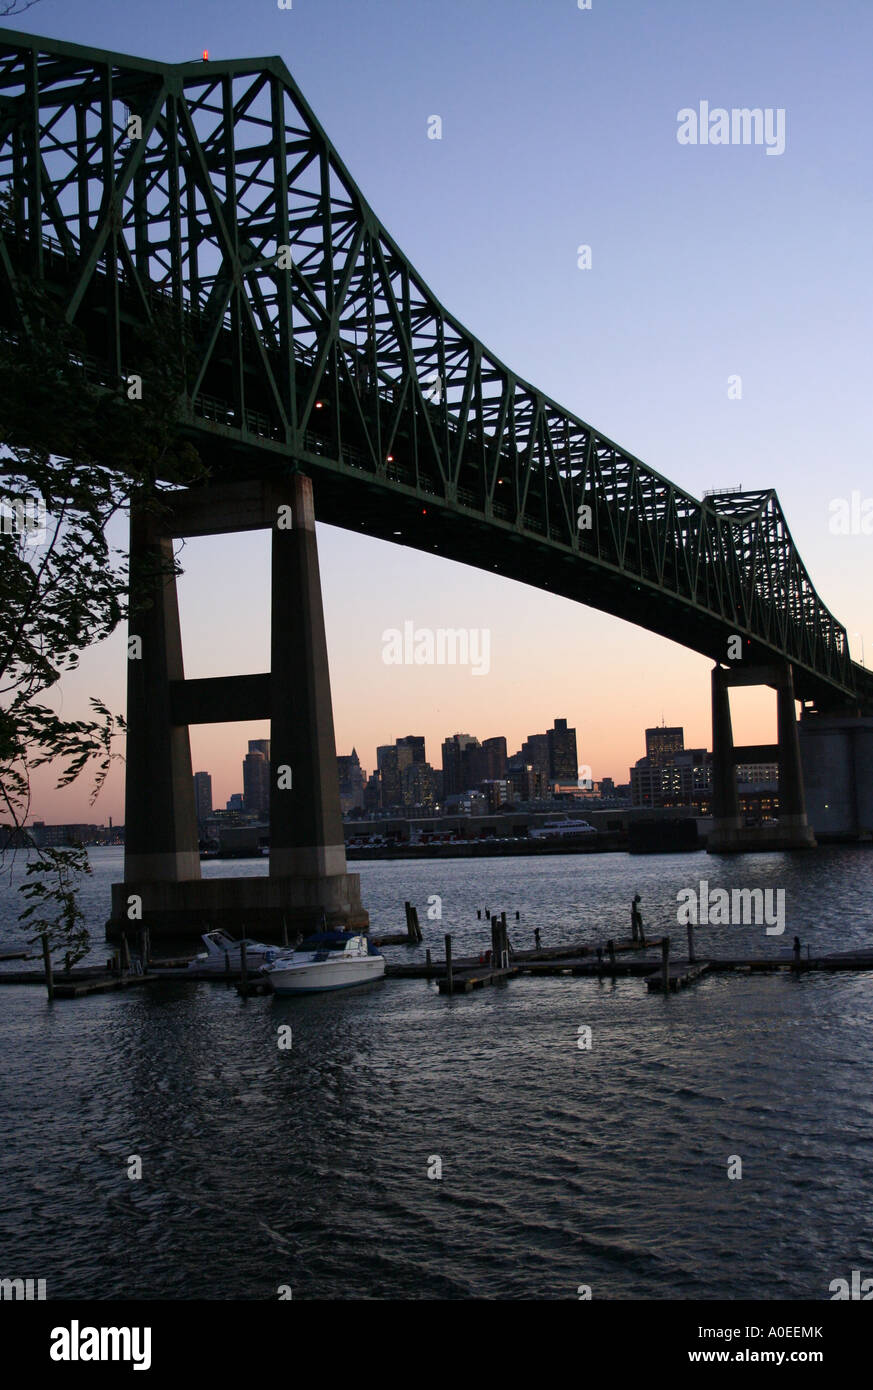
column 559, row 128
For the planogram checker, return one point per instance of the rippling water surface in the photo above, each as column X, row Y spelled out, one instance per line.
column 308, row 1167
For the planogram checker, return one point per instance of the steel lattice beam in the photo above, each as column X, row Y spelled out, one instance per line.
column 314, row 340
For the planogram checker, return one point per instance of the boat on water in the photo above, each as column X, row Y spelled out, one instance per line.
column 223, row 953
column 330, row 960
column 562, row 829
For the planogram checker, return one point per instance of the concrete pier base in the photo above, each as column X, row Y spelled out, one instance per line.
column 178, row 913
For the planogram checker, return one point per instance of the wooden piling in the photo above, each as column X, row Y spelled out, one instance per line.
column 610, row 950
column 449, row 978
column 145, row 949
column 47, row 959
column 415, row 929
column 600, row 962
column 665, row 962
column 427, row 958
column 479, row 913
column 125, row 954
column 797, row 953
column 518, row 916
column 487, row 915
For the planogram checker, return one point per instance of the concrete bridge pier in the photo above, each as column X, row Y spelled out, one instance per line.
column 836, row 750
column 728, row 834
column 308, row 882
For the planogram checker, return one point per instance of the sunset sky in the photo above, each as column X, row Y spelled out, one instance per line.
column 559, row 129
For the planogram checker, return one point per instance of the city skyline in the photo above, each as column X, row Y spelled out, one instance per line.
column 662, row 743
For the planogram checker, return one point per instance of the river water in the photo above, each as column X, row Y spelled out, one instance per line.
column 307, row 1168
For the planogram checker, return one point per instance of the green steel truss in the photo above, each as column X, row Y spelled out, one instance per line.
column 210, row 188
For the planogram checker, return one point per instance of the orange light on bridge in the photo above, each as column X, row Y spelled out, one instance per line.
column 206, row 55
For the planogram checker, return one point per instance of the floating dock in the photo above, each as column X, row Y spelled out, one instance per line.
column 474, row 977
column 679, row 975
column 463, row 975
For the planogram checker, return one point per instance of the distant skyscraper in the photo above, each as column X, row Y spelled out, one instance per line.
column 457, row 752
column 535, row 753
column 388, row 765
column 260, row 745
column 373, row 792
column 416, row 743
column 203, row 796
column 493, row 759
column 420, row 785
column 563, row 758
column 351, row 781
column 662, row 743
column 256, row 780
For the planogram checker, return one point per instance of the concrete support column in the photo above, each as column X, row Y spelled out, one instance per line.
column 725, row 802
column 792, row 802
column 306, row 829
column 160, row 819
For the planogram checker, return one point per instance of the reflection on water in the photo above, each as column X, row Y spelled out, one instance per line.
column 308, row 1167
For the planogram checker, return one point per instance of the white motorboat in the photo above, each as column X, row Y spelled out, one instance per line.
column 562, row 829
column 223, row 953
column 332, row 960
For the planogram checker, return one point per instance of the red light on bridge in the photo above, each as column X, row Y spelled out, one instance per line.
column 206, row 55
column 319, row 405
column 424, row 511
column 390, row 458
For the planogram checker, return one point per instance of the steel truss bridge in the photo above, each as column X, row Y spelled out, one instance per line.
column 209, row 188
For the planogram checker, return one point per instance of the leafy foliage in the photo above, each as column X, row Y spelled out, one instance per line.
column 52, row 886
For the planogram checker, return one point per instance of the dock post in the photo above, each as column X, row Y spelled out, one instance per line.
column 665, row 963
column 518, row 916
column 47, row 957
column 416, row 929
column 600, row 962
column 125, row 954
column 610, row 948
column 243, row 964
column 504, row 943
column 797, row 953
column 145, row 947
column 407, row 907
column 487, row 915
column 691, row 957
column 449, row 980
column 427, row 960
column 495, row 941
column 479, row 913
